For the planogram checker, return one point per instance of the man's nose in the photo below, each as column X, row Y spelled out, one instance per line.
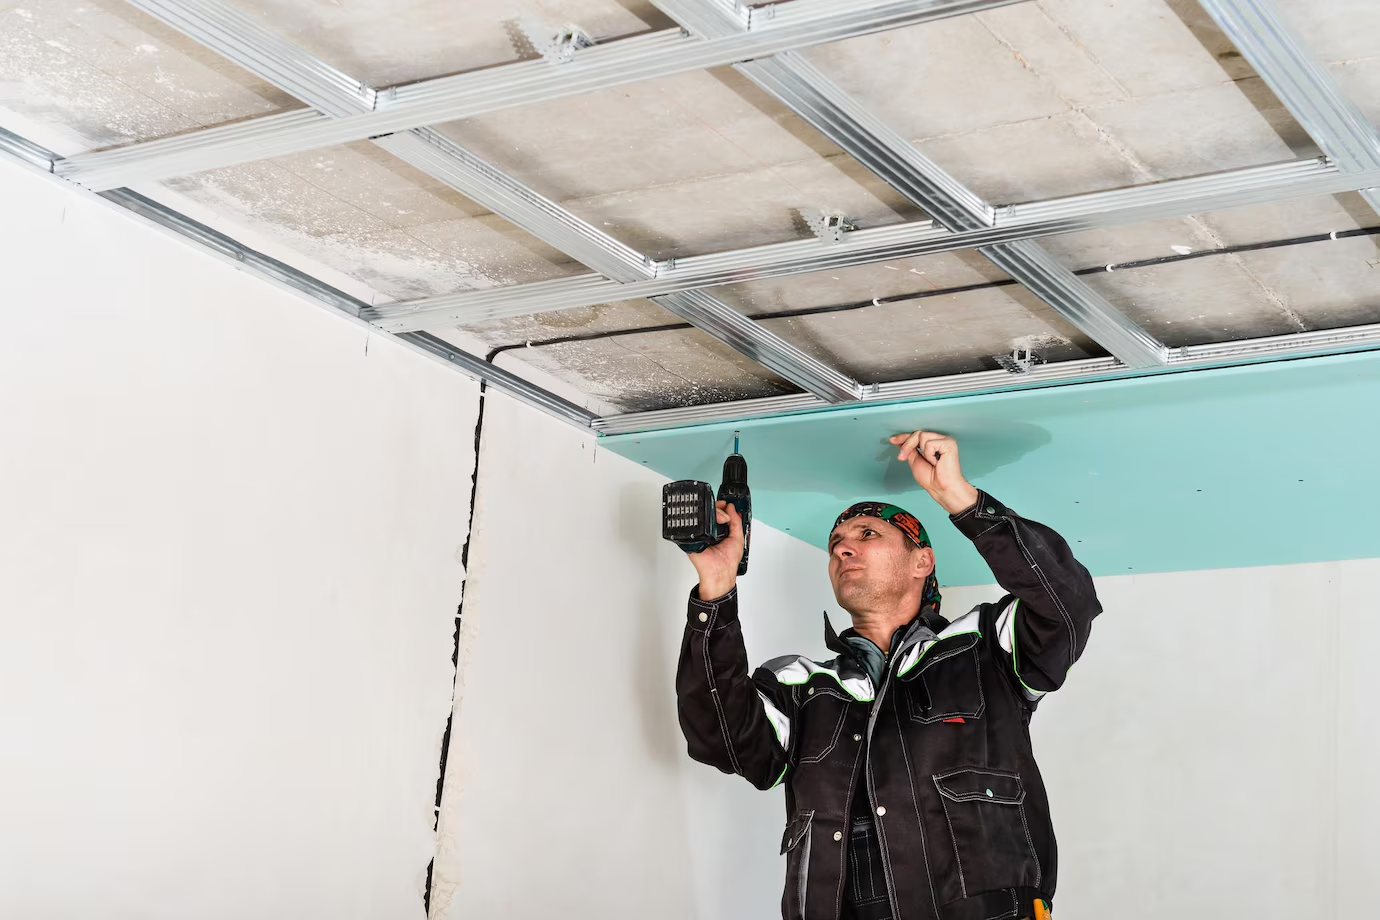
column 843, row 550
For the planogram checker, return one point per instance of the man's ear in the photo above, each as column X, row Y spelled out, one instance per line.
column 923, row 559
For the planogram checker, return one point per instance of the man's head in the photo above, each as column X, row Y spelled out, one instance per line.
column 880, row 557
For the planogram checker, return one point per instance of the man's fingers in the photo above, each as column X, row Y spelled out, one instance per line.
column 908, row 444
column 935, row 446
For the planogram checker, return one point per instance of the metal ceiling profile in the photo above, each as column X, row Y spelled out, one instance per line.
column 797, row 24
column 1176, row 198
column 759, row 42
column 1305, row 87
column 291, row 69
column 1092, row 370
column 832, row 112
column 271, row 269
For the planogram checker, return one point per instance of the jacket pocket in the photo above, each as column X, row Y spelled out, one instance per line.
column 985, row 811
column 795, row 844
column 950, row 688
column 821, row 719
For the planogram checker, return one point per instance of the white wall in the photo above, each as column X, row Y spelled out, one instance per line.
column 228, row 577
column 1212, row 755
column 569, row 793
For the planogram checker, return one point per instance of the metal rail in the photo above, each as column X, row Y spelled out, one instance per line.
column 1304, row 85
column 865, row 137
column 24, row 151
column 798, row 24
column 1178, row 198
column 1195, row 357
column 258, row 50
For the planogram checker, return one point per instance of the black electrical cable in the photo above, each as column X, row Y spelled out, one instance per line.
column 459, row 611
column 944, row 292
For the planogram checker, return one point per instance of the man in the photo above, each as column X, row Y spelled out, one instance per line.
column 911, row 788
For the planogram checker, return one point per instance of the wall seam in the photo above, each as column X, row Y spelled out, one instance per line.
column 455, row 650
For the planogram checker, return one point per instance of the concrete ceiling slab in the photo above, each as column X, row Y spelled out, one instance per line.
column 658, row 370
column 1110, row 245
column 1066, row 154
column 106, row 74
column 360, row 211
column 675, row 129
column 690, row 164
column 389, row 42
column 1149, row 47
column 1197, row 302
column 1279, row 220
column 1335, row 31
column 938, row 78
column 600, row 319
column 1035, row 100
column 862, row 283
column 1360, row 80
column 1328, row 285
column 948, row 334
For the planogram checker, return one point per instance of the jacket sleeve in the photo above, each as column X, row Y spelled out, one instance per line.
column 1043, row 627
column 731, row 719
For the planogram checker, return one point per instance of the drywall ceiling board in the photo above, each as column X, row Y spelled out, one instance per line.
column 110, row 75
column 389, row 43
column 1261, row 465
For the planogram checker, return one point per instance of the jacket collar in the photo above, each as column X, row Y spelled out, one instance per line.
column 926, row 624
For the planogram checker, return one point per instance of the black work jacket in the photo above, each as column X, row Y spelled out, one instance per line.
column 941, row 749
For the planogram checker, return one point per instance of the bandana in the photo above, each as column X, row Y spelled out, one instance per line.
column 909, row 525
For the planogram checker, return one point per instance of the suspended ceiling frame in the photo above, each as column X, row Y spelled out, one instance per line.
column 759, row 41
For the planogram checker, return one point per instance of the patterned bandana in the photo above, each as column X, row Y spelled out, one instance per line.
column 909, row 525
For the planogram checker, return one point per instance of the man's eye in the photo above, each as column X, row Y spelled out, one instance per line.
column 869, row 533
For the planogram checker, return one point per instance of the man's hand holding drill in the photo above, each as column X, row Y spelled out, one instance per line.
column 718, row 565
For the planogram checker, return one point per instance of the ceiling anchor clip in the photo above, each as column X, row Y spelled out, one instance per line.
column 830, row 228
column 1022, row 360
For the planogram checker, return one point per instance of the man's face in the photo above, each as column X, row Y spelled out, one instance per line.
column 872, row 563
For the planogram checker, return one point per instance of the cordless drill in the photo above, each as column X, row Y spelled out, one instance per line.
column 687, row 509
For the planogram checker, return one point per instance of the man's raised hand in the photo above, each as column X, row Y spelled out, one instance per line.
column 718, row 564
column 933, row 460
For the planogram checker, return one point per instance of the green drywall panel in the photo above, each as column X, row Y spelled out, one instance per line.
column 1261, row 465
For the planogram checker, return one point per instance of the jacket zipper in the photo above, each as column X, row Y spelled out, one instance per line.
column 871, row 786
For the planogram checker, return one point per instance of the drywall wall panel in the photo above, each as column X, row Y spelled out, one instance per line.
column 1213, row 752
column 568, row 790
column 1358, row 738
column 229, row 535
column 1195, row 760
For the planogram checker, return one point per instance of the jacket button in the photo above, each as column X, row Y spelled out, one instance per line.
column 811, row 692
column 881, row 810
column 857, row 737
column 991, row 510
column 989, row 793
column 704, row 617
column 838, row 835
